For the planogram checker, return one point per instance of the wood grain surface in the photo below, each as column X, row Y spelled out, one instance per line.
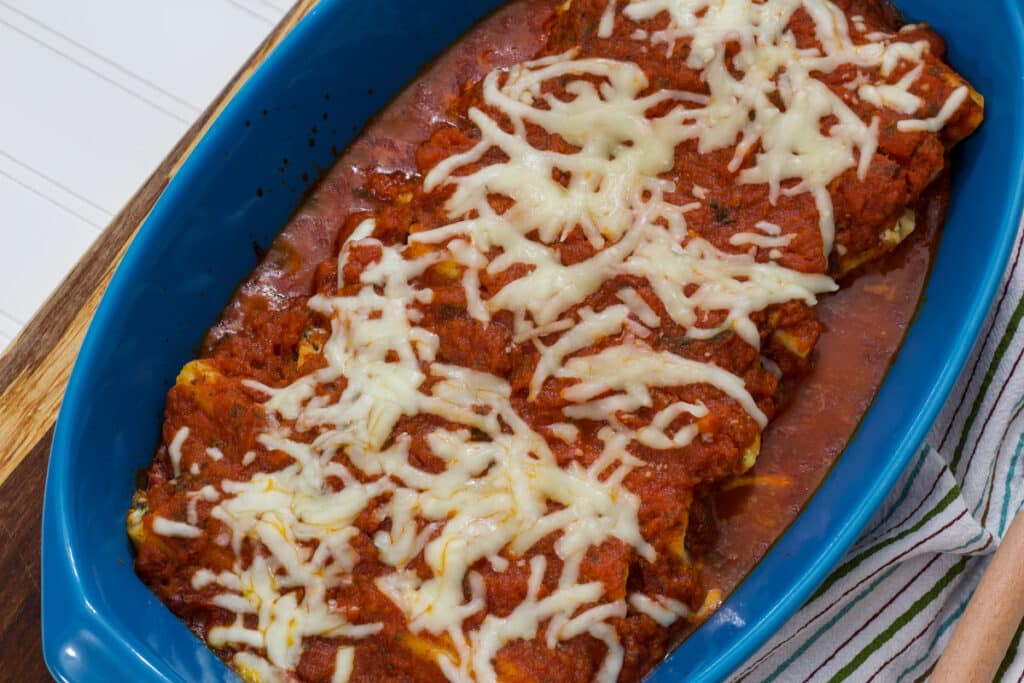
column 983, row 634
column 33, row 373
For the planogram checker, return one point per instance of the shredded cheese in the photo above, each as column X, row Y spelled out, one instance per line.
column 939, row 121
column 344, row 663
column 740, row 108
column 501, row 489
column 664, row 611
column 174, row 450
column 170, row 528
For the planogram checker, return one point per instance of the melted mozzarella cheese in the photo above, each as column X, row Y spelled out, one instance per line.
column 591, row 328
column 736, row 283
column 741, row 110
column 506, row 493
column 256, row 669
column 638, row 307
column 607, row 25
column 499, row 489
column 174, row 450
column 170, row 528
column 621, row 152
column 623, row 176
column 897, row 96
column 344, row 663
column 632, row 370
column 525, row 620
column 665, row 611
column 283, row 621
column 939, row 121
column 759, row 240
column 565, row 431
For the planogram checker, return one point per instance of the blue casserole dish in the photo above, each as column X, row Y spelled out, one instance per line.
column 101, row 624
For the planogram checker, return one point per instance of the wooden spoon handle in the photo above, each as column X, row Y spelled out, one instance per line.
column 984, row 633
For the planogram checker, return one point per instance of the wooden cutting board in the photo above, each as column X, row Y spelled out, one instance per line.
column 33, row 373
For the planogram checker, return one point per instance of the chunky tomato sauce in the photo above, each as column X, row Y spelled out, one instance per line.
column 708, row 516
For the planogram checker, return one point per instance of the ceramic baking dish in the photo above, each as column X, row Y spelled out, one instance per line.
column 334, row 70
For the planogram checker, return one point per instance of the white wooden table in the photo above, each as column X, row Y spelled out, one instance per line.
column 94, row 93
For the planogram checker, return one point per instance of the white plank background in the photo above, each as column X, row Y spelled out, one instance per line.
column 95, row 93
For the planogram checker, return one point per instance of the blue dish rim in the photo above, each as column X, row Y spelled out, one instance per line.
column 56, row 531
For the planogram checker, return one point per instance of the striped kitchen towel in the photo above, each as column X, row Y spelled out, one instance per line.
column 886, row 612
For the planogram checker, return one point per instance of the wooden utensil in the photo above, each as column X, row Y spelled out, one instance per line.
column 984, row 632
